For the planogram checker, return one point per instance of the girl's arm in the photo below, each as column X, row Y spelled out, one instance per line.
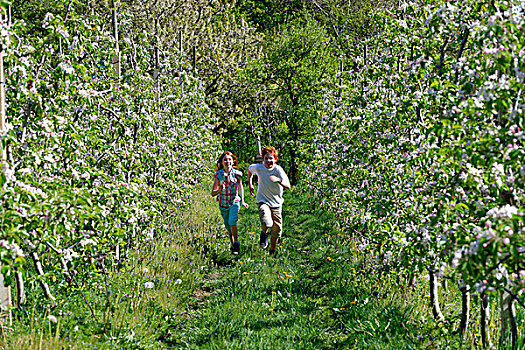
column 217, row 187
column 241, row 194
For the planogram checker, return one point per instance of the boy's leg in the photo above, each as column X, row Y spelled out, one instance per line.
column 276, row 227
column 265, row 216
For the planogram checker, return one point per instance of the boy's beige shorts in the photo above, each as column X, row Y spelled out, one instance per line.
column 270, row 216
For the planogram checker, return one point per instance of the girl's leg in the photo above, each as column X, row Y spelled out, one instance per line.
column 232, row 221
column 234, row 217
column 225, row 213
column 234, row 237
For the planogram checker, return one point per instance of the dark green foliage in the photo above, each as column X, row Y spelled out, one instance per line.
column 268, row 15
column 296, row 66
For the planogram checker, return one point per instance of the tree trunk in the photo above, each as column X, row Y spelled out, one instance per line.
column 40, row 271
column 20, row 290
column 465, row 309
column 434, row 299
column 485, row 335
column 509, row 326
column 294, row 169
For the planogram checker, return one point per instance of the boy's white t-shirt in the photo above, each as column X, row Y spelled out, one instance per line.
column 269, row 192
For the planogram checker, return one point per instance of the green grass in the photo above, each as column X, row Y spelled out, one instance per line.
column 320, row 292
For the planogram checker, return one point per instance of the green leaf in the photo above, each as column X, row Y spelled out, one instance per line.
column 5, row 4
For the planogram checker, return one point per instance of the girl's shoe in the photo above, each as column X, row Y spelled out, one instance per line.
column 236, row 248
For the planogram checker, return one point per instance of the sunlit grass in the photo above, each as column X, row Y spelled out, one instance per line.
column 185, row 290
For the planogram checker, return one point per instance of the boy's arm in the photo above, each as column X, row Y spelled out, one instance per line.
column 250, row 182
column 285, row 182
column 282, row 180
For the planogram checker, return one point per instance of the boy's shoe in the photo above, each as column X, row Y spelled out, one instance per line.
column 263, row 240
column 236, row 248
column 273, row 253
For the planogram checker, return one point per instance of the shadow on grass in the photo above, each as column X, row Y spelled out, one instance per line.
column 319, row 293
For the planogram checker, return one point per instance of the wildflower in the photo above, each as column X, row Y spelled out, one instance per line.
column 52, row 318
column 70, row 254
column 149, row 285
column 63, row 31
column 86, row 241
column 66, row 67
column 481, row 286
column 178, row 281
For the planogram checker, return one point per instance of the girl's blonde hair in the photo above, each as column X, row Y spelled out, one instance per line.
column 219, row 162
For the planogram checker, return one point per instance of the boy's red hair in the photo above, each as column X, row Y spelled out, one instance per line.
column 270, row 150
column 219, row 162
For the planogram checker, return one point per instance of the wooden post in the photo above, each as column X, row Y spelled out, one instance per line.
column 116, row 57
column 364, row 54
column 156, row 72
column 5, row 292
column 180, row 53
column 341, row 79
column 194, row 60
column 258, row 157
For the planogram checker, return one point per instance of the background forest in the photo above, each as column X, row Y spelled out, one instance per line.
column 403, row 120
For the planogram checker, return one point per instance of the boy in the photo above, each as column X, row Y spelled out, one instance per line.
column 272, row 182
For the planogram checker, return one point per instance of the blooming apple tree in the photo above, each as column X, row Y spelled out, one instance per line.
column 96, row 162
column 420, row 150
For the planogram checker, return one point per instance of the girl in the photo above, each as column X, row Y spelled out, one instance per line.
column 228, row 185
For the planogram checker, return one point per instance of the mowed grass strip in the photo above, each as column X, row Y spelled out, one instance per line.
column 318, row 293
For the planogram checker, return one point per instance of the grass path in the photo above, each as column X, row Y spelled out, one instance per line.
column 318, row 293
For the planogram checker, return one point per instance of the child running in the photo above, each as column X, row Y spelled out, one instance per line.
column 272, row 181
column 228, row 185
